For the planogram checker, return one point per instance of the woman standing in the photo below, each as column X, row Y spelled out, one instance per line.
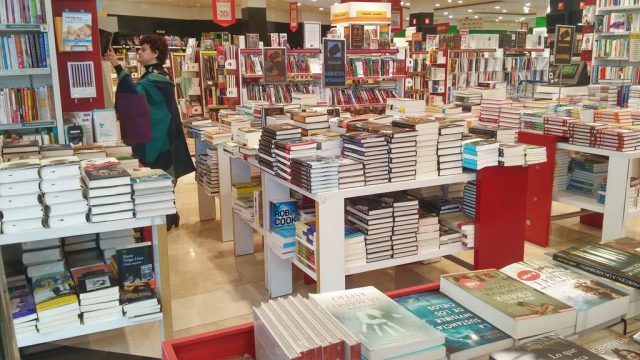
column 167, row 149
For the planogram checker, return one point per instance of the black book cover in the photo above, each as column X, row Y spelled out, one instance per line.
column 106, row 172
column 135, row 264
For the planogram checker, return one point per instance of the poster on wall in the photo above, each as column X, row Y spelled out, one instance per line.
column 564, row 42
column 335, row 74
column 312, row 31
column 76, row 31
column 224, row 12
column 634, row 47
column 293, row 16
column 275, row 67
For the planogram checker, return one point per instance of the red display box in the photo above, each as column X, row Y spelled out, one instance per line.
column 238, row 340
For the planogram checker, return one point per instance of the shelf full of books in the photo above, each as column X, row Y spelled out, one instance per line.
column 613, row 58
column 29, row 90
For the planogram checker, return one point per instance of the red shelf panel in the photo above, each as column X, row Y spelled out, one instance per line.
column 304, row 51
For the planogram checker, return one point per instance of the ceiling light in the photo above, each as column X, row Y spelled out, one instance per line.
column 321, row 9
column 504, row 10
column 299, row 4
column 500, row 17
column 407, row 4
column 470, row 10
column 475, row 17
column 448, row 1
column 314, row 0
column 446, row 13
column 460, row 1
column 526, row 11
column 406, row 18
column 437, row 5
column 450, row 16
column 527, row 4
column 496, row 7
column 401, row 3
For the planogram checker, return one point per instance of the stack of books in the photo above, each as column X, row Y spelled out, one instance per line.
column 207, row 174
column 315, row 173
column 449, row 238
column 283, row 215
column 233, row 123
column 490, row 110
column 440, row 205
column 42, row 256
column 584, row 134
column 244, row 199
column 602, row 93
column 539, row 347
column 55, row 150
column 20, row 195
column 449, row 149
column 249, row 137
column 428, row 236
column 310, row 122
column 561, row 171
column 586, row 174
column 111, row 240
column 613, row 116
column 99, row 293
column 426, row 192
column 350, row 173
column 354, row 247
column 461, row 223
column 271, row 134
column 532, row 121
column 198, row 127
column 467, row 97
column 426, row 143
column 454, row 190
column 23, row 307
column 511, row 155
column 73, row 244
column 20, row 149
column 634, row 96
column 62, row 188
column 499, row 134
column 135, row 271
column 370, row 149
column 328, row 144
column 617, row 139
column 557, row 125
column 469, row 199
column 633, row 196
column 535, row 154
column 402, row 152
column 404, row 241
column 305, row 243
column 287, row 150
column 479, row 154
column 402, row 106
column 152, row 192
column 510, row 116
column 56, row 301
column 374, row 218
column 112, row 186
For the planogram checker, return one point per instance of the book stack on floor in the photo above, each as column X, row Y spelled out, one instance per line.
column 287, row 150
column 306, row 243
column 111, row 240
column 404, row 241
column 470, row 338
column 449, row 149
column 617, row 139
column 401, row 143
column 310, row 122
column 135, row 274
column 23, row 307
column 410, row 337
column 533, row 121
column 62, row 188
column 20, row 149
column 469, row 199
column 511, row 154
column 479, row 154
column 510, row 116
column 534, row 154
column 152, row 192
column 561, row 171
column 207, row 174
column 293, row 327
column 461, row 223
column 374, row 218
column 370, row 149
column 111, row 187
column 499, row 134
column 315, row 173
column 428, row 236
column 56, row 301
column 350, row 173
column 270, row 134
column 490, row 293
column 355, row 252
column 603, row 93
column 99, row 293
column 586, row 173
column 20, row 196
column 557, row 125
column 426, row 143
column 244, row 200
column 584, row 134
column 597, row 304
column 613, row 116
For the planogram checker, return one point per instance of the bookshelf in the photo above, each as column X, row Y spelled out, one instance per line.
column 161, row 263
column 209, row 78
column 38, row 74
column 427, row 76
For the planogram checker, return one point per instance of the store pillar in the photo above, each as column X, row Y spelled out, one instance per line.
column 254, row 15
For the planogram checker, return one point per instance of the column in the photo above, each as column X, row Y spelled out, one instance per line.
column 254, row 14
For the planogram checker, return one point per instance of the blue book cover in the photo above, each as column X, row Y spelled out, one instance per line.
column 22, row 307
column 283, row 215
column 463, row 329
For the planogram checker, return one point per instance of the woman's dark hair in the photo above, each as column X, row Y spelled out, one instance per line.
column 157, row 44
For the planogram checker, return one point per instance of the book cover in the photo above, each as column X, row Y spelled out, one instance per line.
column 135, row 264
column 610, row 344
column 547, row 348
column 463, row 329
column 19, row 164
column 106, row 172
column 92, row 278
column 76, row 31
column 22, row 307
column 147, row 174
column 139, row 292
column 283, row 215
column 53, row 290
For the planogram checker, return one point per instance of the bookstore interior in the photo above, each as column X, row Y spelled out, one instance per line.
column 320, row 179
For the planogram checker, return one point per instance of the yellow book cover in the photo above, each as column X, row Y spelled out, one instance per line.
column 53, row 290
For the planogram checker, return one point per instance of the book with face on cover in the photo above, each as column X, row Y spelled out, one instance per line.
column 550, row 347
column 610, row 344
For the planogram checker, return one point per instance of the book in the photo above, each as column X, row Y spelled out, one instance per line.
column 94, row 281
column 547, row 348
column 106, row 176
column 54, row 292
column 513, row 307
column 134, row 264
column 283, row 215
column 467, row 335
column 384, row 328
column 609, row 344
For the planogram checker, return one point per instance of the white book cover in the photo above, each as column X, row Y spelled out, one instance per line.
column 61, row 197
column 20, row 188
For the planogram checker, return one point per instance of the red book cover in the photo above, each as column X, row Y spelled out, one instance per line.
column 19, row 52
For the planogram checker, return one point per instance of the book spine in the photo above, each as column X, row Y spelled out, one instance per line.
column 609, row 275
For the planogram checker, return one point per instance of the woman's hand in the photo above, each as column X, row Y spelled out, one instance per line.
column 111, row 57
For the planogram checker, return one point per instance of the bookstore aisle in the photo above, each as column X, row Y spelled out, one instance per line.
column 212, row 289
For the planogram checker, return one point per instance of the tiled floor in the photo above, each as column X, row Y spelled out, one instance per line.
column 212, row 289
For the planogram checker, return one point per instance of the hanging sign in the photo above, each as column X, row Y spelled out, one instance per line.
column 224, row 12
column 565, row 38
column 442, row 27
column 396, row 15
column 293, row 16
column 334, row 59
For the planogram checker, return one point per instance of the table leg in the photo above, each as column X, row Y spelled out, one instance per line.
column 615, row 207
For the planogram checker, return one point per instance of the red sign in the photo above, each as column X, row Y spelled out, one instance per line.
column 224, row 12
column 293, row 16
column 442, row 27
column 396, row 15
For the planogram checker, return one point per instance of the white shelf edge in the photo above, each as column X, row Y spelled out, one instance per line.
column 24, row 72
column 622, row 33
column 252, row 224
column 596, row 151
column 305, row 269
column 77, row 330
column 620, row 8
column 88, row 228
column 305, row 244
column 355, row 269
column 578, row 200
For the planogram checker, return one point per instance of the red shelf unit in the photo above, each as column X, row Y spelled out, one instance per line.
column 371, row 51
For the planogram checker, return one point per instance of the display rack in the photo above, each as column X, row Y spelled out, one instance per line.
column 208, row 78
column 427, row 76
column 161, row 263
column 36, row 77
